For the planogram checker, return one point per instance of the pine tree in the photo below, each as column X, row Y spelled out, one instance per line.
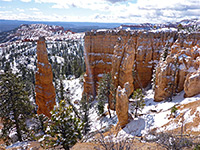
column 61, row 89
column 165, row 52
column 15, row 107
column 139, row 102
column 39, row 123
column 63, row 129
column 84, row 111
column 7, row 67
column 105, row 92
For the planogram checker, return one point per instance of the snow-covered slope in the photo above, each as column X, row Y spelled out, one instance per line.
column 33, row 31
column 155, row 115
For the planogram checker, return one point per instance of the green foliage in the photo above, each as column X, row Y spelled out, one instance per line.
column 105, row 91
column 84, row 111
column 165, row 52
column 61, row 90
column 180, row 27
column 40, row 125
column 72, row 53
column 139, row 102
column 174, row 110
column 197, row 147
column 100, row 107
column 15, row 107
column 63, row 129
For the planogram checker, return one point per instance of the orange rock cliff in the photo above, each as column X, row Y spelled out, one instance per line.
column 131, row 56
column 45, row 91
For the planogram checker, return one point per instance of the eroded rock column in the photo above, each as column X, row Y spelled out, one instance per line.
column 122, row 102
column 180, row 70
column 45, row 91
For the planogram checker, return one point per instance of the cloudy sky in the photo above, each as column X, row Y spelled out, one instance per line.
column 121, row 11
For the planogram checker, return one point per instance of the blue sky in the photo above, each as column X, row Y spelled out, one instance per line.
column 120, row 11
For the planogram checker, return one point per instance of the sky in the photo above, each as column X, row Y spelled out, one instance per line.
column 109, row 11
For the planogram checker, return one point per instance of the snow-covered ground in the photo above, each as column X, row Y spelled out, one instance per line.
column 154, row 115
column 73, row 88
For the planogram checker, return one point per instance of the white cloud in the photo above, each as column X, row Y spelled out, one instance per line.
column 33, row 9
column 153, row 11
column 26, row 1
column 125, row 11
column 115, row 1
column 20, row 10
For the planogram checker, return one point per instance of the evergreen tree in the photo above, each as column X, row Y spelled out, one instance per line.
column 15, row 107
column 172, row 84
column 84, row 111
column 165, row 52
column 61, row 90
column 7, row 67
column 139, row 102
column 40, row 123
column 63, row 129
column 105, row 92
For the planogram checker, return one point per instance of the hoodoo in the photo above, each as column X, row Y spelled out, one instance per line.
column 45, row 91
column 131, row 56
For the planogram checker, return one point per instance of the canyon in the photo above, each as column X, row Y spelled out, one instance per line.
column 170, row 56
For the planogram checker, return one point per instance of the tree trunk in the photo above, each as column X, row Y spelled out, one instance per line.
column 136, row 112
column 109, row 111
column 109, row 104
column 17, row 126
column 66, row 147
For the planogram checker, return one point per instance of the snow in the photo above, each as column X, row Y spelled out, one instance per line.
column 134, row 128
column 74, row 88
column 156, row 114
column 59, row 60
column 191, row 69
column 18, row 145
column 100, row 75
column 102, row 30
column 164, row 30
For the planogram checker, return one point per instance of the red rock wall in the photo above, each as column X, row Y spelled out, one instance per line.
column 45, row 91
column 122, row 52
column 99, row 48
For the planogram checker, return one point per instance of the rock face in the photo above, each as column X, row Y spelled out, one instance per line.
column 98, row 52
column 122, row 104
column 129, row 55
column 180, row 69
column 192, row 84
column 45, row 91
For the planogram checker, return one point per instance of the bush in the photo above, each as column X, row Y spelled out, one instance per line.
column 172, row 142
column 174, row 110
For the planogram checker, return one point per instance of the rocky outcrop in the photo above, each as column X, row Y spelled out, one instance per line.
column 45, row 91
column 122, row 104
column 179, row 70
column 192, row 84
column 129, row 55
column 98, row 52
